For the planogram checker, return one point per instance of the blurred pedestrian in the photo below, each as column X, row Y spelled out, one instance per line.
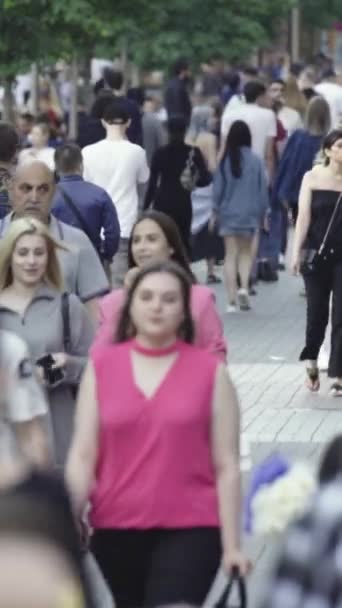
column 298, row 158
column 177, row 99
column 154, row 135
column 317, row 252
column 40, row 149
column 24, row 125
column 293, row 97
column 289, row 117
column 120, row 167
column 56, row 327
column 260, row 120
column 32, row 190
column 85, row 205
column 155, row 238
column 176, row 170
column 205, row 243
column 9, row 146
column 169, row 551
column 332, row 93
column 240, row 204
column 23, row 410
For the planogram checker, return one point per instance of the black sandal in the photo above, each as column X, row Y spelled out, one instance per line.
column 312, row 381
column 336, row 390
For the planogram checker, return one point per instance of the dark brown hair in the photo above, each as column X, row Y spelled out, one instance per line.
column 186, row 331
column 170, row 230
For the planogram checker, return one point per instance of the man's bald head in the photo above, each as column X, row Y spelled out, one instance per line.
column 32, row 190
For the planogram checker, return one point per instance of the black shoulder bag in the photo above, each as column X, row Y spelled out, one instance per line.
column 316, row 260
column 225, row 600
column 67, row 333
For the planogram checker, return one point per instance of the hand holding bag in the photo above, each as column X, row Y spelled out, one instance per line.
column 225, row 600
column 315, row 260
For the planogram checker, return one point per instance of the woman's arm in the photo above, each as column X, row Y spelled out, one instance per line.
column 303, row 220
column 226, row 456
column 82, row 457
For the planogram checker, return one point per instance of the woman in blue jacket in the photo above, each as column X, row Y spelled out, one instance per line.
column 240, row 203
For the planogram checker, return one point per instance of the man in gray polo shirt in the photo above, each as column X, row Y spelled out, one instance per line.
column 31, row 194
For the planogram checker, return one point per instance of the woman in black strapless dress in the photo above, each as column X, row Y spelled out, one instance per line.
column 320, row 198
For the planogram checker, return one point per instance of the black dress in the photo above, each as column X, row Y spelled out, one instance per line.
column 165, row 191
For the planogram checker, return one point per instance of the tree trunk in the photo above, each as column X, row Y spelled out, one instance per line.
column 73, row 106
column 124, row 62
column 8, row 102
column 34, row 89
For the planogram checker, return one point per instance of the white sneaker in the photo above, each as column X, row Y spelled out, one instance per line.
column 243, row 299
column 231, row 308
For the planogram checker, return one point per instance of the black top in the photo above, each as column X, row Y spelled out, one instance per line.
column 165, row 190
column 177, row 100
column 322, row 207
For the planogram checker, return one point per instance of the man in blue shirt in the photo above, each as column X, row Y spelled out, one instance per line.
column 83, row 204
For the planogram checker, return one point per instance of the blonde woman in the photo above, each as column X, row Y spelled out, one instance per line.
column 56, row 328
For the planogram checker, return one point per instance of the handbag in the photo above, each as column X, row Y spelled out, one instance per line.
column 189, row 175
column 236, row 580
column 315, row 260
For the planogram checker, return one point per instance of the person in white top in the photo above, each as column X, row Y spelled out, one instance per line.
column 40, row 150
column 260, row 120
column 332, row 93
column 289, row 117
column 118, row 166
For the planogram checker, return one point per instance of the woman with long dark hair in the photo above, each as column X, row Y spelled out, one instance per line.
column 167, row 189
column 162, row 449
column 156, row 238
column 240, row 202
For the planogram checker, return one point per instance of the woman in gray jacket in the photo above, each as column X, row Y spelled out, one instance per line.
column 56, row 327
column 240, row 203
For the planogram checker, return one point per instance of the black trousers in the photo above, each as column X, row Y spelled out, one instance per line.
column 150, row 568
column 319, row 287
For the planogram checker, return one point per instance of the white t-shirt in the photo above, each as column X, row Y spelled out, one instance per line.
column 118, row 166
column 332, row 93
column 261, row 121
column 290, row 119
column 45, row 155
column 21, row 397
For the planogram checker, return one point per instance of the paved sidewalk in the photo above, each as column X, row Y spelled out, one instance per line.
column 278, row 413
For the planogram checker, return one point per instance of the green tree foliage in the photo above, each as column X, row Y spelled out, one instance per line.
column 321, row 13
column 153, row 31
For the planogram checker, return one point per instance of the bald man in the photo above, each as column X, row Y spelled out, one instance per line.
column 31, row 193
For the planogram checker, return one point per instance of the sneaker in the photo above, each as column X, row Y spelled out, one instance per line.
column 212, row 279
column 231, row 308
column 243, row 299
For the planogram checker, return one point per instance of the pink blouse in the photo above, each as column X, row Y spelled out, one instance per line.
column 154, row 466
column 208, row 325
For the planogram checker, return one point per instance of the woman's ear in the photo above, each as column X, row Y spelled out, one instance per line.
column 171, row 252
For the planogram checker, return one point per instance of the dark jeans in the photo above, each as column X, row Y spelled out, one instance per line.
column 150, row 568
column 319, row 287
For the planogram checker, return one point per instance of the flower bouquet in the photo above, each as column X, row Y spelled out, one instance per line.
column 278, row 493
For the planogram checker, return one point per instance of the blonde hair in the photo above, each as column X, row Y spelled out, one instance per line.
column 293, row 96
column 17, row 229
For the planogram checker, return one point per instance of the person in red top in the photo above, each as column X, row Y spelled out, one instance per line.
column 156, row 450
column 155, row 237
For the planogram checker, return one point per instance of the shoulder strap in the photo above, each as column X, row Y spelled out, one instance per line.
column 325, row 238
column 66, row 322
column 76, row 212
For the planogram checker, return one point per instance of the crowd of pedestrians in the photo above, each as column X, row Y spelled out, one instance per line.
column 119, row 423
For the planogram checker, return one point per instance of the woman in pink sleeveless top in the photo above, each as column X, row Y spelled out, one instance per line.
column 156, row 451
column 155, row 237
